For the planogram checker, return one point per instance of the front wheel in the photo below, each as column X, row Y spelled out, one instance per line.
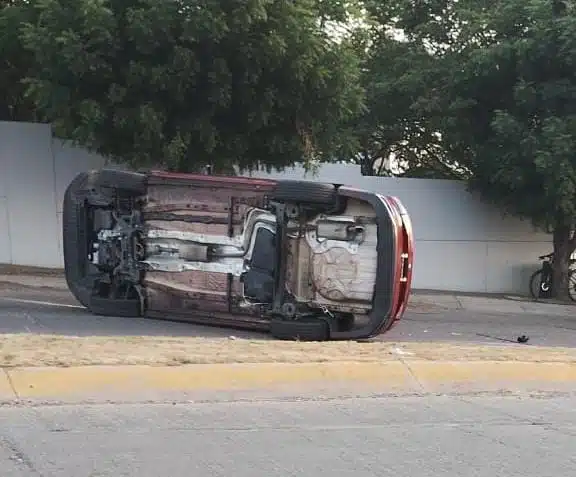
column 539, row 286
column 90, row 259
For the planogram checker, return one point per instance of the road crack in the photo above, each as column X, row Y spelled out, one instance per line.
column 412, row 373
column 11, row 383
column 18, row 456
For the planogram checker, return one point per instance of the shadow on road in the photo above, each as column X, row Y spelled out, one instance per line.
column 52, row 311
column 49, row 311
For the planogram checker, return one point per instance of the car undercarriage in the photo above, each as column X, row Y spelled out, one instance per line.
column 301, row 259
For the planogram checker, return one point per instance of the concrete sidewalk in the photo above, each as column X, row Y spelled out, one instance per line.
column 422, row 301
column 437, row 302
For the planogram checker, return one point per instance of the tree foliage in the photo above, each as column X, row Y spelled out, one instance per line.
column 185, row 83
column 500, row 92
column 15, row 62
column 394, row 135
column 482, row 90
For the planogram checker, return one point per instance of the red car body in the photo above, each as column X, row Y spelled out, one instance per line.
column 304, row 260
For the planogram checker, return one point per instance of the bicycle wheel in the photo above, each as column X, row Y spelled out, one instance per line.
column 572, row 284
column 538, row 287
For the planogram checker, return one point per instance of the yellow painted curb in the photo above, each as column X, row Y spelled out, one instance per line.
column 6, row 391
column 51, row 382
column 457, row 372
column 394, row 376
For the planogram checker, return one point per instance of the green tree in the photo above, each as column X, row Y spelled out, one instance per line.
column 15, row 62
column 393, row 135
column 182, row 84
column 501, row 93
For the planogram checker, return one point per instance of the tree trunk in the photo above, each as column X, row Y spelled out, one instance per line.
column 563, row 249
column 367, row 164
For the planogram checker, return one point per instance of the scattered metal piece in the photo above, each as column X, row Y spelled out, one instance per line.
column 497, row 338
column 523, row 339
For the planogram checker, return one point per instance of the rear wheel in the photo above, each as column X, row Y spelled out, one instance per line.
column 538, row 287
column 303, row 329
column 305, row 192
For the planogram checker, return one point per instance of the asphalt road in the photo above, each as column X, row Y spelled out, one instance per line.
column 422, row 436
column 36, row 310
column 371, row 437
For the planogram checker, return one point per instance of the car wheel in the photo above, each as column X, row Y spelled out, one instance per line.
column 74, row 241
column 123, row 182
column 305, row 192
column 94, row 189
column 114, row 307
column 305, row 329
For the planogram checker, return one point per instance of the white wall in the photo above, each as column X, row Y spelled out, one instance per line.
column 461, row 243
column 34, row 172
column 28, row 172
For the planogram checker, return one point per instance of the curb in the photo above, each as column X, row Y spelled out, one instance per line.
column 27, row 270
column 395, row 377
column 40, row 283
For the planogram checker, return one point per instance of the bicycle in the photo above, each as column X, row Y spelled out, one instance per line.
column 541, row 280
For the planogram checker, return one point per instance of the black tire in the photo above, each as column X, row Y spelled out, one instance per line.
column 535, row 280
column 125, row 182
column 114, row 307
column 535, row 284
column 93, row 188
column 305, row 192
column 307, row 329
column 74, row 238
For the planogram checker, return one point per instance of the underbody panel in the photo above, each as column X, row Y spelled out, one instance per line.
column 199, row 212
column 326, row 266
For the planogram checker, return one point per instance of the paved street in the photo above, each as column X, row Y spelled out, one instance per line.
column 37, row 310
column 371, row 437
column 420, row 436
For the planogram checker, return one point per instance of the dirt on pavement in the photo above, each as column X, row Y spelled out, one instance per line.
column 24, row 270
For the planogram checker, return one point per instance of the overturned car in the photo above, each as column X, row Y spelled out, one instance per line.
column 303, row 260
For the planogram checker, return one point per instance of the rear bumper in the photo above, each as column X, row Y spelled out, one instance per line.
column 385, row 290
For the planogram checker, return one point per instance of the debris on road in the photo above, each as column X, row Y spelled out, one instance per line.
column 506, row 340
